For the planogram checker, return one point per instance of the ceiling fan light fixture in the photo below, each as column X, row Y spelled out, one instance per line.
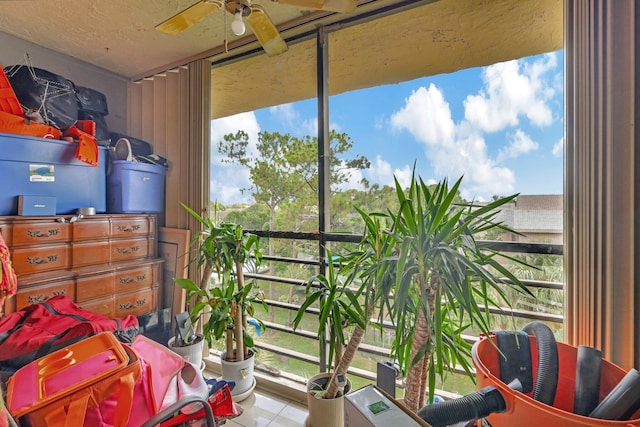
column 237, row 25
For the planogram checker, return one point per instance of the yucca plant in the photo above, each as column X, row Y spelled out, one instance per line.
column 445, row 279
column 224, row 306
column 356, row 285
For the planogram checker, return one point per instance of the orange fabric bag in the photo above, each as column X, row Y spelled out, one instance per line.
column 57, row 389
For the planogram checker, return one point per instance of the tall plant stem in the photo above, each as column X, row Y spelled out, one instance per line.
column 413, row 397
column 416, row 384
column 238, row 318
column 204, row 285
column 347, row 357
column 229, row 344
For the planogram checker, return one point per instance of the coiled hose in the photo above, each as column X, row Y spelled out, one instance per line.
column 489, row 400
column 544, row 389
column 470, row 407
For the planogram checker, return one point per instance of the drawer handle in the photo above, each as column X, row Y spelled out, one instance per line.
column 129, row 306
column 39, row 234
column 128, row 250
column 129, row 229
column 127, row 280
column 35, row 299
column 36, row 260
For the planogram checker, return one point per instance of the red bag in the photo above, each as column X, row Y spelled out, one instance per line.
column 58, row 389
column 166, row 378
column 41, row 328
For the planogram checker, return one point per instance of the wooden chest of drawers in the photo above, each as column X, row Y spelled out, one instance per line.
column 106, row 263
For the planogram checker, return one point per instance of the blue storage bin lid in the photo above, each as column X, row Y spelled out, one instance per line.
column 137, row 166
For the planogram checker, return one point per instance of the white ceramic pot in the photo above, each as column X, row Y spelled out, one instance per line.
column 241, row 373
column 191, row 353
column 324, row 412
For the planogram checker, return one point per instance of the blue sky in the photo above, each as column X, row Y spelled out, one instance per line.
column 500, row 126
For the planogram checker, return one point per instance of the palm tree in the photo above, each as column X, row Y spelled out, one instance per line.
column 444, row 280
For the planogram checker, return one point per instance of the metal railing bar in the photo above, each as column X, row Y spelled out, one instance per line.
column 277, row 279
column 290, row 260
column 525, row 314
column 540, row 284
column 289, row 330
column 287, row 352
column 513, row 247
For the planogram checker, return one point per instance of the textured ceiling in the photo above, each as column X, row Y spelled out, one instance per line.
column 434, row 38
column 382, row 42
column 119, row 35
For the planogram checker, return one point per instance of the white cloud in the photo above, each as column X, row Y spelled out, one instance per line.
column 426, row 115
column 403, row 175
column 379, row 122
column 380, row 171
column 558, row 148
column 512, row 90
column 285, row 113
column 453, row 150
column 228, row 191
column 309, row 127
column 520, row 143
column 290, row 121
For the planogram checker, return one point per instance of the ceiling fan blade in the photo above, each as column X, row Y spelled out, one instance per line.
column 183, row 20
column 266, row 32
column 343, row 6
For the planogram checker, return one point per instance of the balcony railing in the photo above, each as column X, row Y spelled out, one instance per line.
column 306, row 349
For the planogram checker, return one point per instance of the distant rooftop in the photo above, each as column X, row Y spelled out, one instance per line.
column 534, row 213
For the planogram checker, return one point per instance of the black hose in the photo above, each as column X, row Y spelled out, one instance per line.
column 623, row 401
column 586, row 391
column 544, row 389
column 470, row 407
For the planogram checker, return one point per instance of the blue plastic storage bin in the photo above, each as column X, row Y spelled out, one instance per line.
column 47, row 167
column 135, row 187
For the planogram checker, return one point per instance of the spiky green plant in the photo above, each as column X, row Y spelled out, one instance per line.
column 350, row 294
column 444, row 279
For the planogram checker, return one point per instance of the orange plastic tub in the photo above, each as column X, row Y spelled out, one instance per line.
column 523, row 410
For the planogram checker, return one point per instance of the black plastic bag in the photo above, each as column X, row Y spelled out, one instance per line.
column 47, row 93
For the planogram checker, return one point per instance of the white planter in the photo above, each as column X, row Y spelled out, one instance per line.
column 324, row 412
column 191, row 353
column 241, row 373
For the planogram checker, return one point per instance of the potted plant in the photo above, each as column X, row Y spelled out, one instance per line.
column 187, row 343
column 355, row 286
column 227, row 305
column 445, row 280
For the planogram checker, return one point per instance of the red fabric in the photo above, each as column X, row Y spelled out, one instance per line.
column 221, row 403
column 41, row 328
column 8, row 279
column 4, row 421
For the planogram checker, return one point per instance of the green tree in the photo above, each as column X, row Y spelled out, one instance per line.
column 253, row 217
column 284, row 168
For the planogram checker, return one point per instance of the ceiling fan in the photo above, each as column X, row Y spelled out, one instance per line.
column 254, row 15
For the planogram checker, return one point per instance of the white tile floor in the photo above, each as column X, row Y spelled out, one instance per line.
column 262, row 409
